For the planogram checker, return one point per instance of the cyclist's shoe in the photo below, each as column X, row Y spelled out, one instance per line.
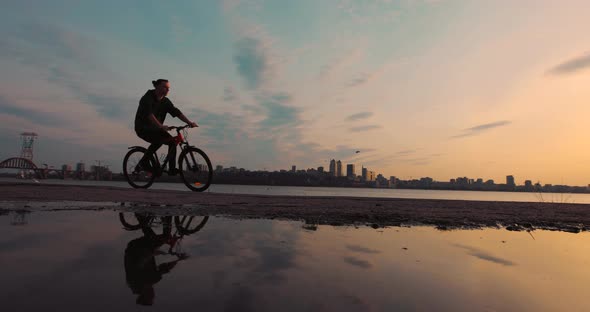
column 173, row 171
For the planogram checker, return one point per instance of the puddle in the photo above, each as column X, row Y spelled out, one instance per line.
column 88, row 260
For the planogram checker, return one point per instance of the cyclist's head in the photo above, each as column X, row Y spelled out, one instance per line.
column 162, row 86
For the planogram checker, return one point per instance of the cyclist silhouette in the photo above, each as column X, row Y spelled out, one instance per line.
column 141, row 270
column 149, row 122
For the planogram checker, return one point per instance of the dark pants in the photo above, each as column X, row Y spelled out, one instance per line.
column 157, row 138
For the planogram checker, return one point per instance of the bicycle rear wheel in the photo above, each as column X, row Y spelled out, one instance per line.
column 138, row 176
column 195, row 169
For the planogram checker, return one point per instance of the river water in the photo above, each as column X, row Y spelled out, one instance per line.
column 355, row 192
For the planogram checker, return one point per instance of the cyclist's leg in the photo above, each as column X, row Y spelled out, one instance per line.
column 171, row 155
column 167, row 226
column 156, row 138
column 163, row 137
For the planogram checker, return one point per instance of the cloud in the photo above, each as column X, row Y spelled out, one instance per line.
column 359, row 116
column 364, row 128
column 57, row 43
column 253, row 62
column 406, row 152
column 375, row 12
column 35, row 116
column 358, row 262
column 377, row 73
column 341, row 62
column 484, row 255
column 482, row 128
column 571, row 66
column 180, row 31
column 228, row 6
column 68, row 60
column 359, row 80
column 232, row 138
column 229, row 94
column 362, row 249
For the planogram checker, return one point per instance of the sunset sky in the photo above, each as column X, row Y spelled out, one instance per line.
column 481, row 89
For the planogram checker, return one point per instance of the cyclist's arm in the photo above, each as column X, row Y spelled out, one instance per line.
column 156, row 122
column 166, row 267
column 175, row 112
column 188, row 122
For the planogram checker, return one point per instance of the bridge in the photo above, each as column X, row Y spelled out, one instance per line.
column 27, row 165
column 18, row 163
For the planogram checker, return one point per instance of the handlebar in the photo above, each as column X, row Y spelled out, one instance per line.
column 178, row 128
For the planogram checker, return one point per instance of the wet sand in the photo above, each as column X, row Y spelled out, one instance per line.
column 376, row 212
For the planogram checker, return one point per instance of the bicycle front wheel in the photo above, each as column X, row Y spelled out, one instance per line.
column 128, row 225
column 195, row 169
column 138, row 175
column 186, row 226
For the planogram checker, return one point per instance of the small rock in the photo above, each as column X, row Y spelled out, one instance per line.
column 405, row 248
column 571, row 229
column 375, row 225
column 514, row 227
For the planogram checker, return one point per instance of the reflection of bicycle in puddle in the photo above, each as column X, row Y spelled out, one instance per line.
column 141, row 268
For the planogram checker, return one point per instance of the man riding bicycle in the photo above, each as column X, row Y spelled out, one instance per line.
column 149, row 121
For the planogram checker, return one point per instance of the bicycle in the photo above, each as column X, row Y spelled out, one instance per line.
column 184, row 224
column 194, row 165
column 184, row 227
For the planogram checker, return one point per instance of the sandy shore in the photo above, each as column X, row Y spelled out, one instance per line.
column 377, row 212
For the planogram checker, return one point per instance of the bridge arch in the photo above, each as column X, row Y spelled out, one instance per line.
column 18, row 163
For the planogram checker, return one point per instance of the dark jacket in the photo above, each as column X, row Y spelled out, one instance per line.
column 150, row 105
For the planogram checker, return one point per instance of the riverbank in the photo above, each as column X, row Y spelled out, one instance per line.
column 377, row 212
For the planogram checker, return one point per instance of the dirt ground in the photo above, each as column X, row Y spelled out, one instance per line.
column 376, row 212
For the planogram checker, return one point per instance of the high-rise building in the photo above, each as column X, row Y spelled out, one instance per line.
column 333, row 167
column 339, row 168
column 219, row 168
column 510, row 180
column 368, row 175
column 350, row 172
column 293, row 168
column 80, row 167
column 321, row 169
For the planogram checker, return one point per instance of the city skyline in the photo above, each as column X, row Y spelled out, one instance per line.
column 415, row 88
column 508, row 179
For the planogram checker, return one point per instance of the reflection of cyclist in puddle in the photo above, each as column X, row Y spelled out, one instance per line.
column 141, row 269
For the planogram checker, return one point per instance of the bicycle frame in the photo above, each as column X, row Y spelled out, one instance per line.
column 179, row 140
